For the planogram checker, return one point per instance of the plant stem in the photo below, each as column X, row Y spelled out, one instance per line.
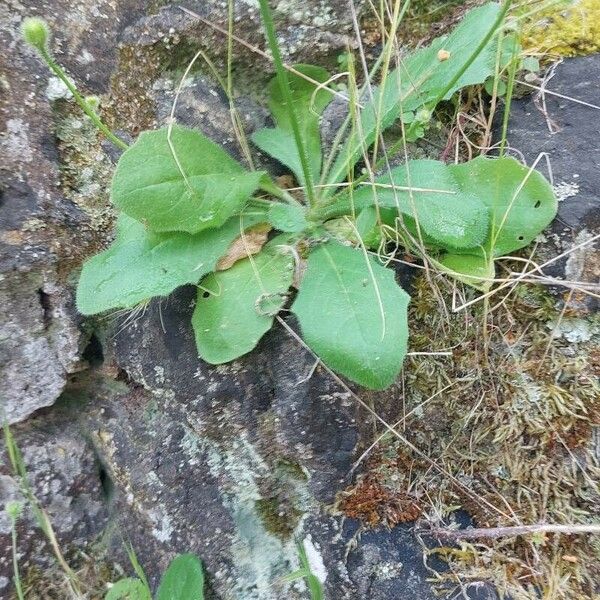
column 498, row 532
column 85, row 107
column 512, row 72
column 284, row 85
column 17, row 577
column 269, row 187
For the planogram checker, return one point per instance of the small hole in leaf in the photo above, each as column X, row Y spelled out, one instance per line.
column 205, row 294
column 537, row 204
column 520, row 238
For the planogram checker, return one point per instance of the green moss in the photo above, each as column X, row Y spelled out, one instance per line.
column 503, row 419
column 426, row 19
column 277, row 519
column 291, row 469
column 573, row 30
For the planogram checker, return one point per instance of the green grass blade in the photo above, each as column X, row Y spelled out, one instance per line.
column 267, row 19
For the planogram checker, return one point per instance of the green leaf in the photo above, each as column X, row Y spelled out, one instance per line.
column 353, row 315
column 531, row 64
column 474, row 270
column 140, row 264
column 128, row 589
column 288, row 217
column 308, row 105
column 236, row 307
column 280, row 144
column 420, row 79
column 446, row 210
column 197, row 187
column 368, row 226
column 521, row 202
column 183, row 579
column 500, row 87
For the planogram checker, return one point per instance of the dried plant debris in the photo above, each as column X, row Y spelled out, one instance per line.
column 512, row 439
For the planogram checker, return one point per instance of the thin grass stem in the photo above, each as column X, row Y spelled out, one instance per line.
column 85, row 107
column 284, row 85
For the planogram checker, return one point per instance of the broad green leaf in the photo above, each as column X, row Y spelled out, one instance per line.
column 128, row 589
column 472, row 269
column 140, row 264
column 308, row 105
column 421, row 78
column 445, row 210
column 236, row 307
column 188, row 185
column 183, row 579
column 353, row 315
column 288, row 217
column 521, row 202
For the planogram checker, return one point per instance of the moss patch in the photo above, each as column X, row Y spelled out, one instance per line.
column 507, row 429
column 573, row 30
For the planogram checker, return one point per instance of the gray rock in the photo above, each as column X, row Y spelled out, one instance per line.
column 41, row 232
column 567, row 133
column 63, row 470
column 309, row 31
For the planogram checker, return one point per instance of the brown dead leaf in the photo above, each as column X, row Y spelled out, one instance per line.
column 245, row 245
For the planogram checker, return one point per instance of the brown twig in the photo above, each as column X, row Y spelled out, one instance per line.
column 498, row 532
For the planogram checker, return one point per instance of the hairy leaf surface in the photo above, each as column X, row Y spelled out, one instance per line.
column 353, row 315
column 288, row 217
column 188, row 185
column 129, row 588
column 140, row 264
column 476, row 270
column 235, row 308
column 183, row 579
column 521, row 201
column 450, row 213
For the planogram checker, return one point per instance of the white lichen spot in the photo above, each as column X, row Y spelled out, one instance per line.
column 315, row 560
column 57, row 90
column 163, row 527
column 564, row 190
column 573, row 330
column 388, row 570
column 85, row 58
column 159, row 374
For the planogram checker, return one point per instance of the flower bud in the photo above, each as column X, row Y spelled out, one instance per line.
column 36, row 32
column 93, row 102
column 14, row 509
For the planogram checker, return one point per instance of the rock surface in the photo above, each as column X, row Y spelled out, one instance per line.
column 237, row 463
column 565, row 131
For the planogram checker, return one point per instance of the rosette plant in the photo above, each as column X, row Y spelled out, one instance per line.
column 183, row 203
